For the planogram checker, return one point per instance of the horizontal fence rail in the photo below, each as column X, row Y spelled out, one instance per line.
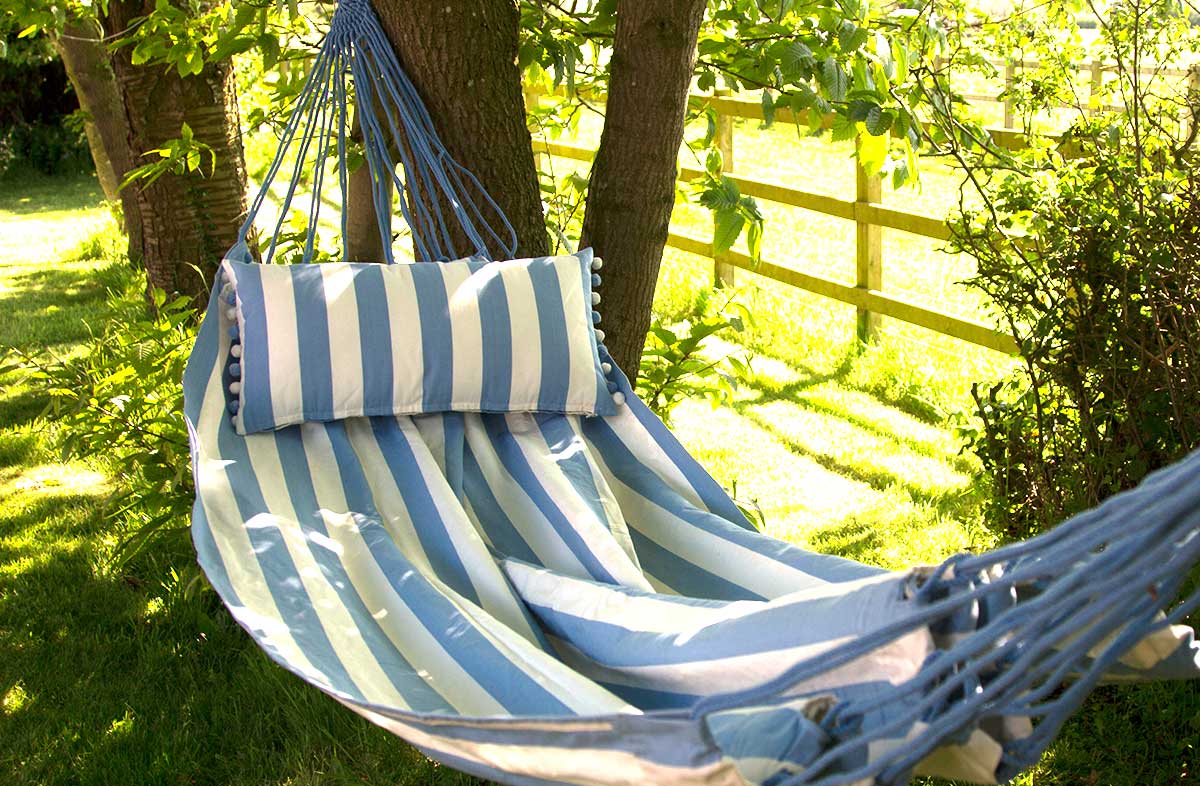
column 866, row 296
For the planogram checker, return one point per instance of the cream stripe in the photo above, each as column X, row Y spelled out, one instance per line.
column 405, row 630
column 616, row 518
column 525, row 516
column 345, row 348
column 595, row 535
column 258, row 610
column 580, row 766
column 340, row 627
column 581, row 390
column 526, row 337
column 408, row 370
column 465, row 331
column 279, row 305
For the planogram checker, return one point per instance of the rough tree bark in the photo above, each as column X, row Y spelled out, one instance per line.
column 187, row 220
column 89, row 68
column 632, row 186
column 462, row 59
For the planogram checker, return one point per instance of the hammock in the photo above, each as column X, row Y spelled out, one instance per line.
column 476, row 536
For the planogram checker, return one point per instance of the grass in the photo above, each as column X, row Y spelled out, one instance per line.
column 130, row 675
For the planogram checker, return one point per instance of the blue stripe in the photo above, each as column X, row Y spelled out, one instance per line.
column 416, row 692
column 257, row 414
column 642, row 480
column 649, row 699
column 567, row 449
column 426, row 520
column 202, row 360
column 681, row 575
column 437, row 339
column 375, row 335
column 454, row 442
column 497, row 526
column 496, row 326
column 517, row 466
column 552, row 328
column 282, row 579
column 312, row 339
column 517, row 691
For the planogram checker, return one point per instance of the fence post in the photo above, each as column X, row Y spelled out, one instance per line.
column 724, row 274
column 1193, row 95
column 1095, row 98
column 868, row 243
column 1010, row 73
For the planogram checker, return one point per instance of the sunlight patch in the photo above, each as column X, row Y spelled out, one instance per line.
column 60, row 479
column 15, row 699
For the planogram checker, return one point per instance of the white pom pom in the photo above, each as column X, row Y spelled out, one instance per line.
column 606, row 368
column 599, row 335
column 595, row 298
column 618, row 398
column 236, row 350
column 597, row 263
column 231, row 314
column 235, row 387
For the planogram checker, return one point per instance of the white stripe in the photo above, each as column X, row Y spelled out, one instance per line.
column 258, row 611
column 525, row 516
column 408, row 370
column 340, row 627
column 581, row 389
column 419, row 646
column 608, row 503
column 345, row 349
column 279, row 306
column 597, row 538
column 734, row 563
column 466, row 332
column 526, row 337
column 575, row 765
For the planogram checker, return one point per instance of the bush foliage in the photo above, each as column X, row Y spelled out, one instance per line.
column 1087, row 247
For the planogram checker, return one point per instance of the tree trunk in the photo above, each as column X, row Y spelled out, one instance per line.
column 90, row 71
column 189, row 220
column 632, row 187
column 462, row 59
column 364, row 243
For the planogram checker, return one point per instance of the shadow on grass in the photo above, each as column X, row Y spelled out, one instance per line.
column 54, row 305
column 957, row 502
column 111, row 679
column 24, row 195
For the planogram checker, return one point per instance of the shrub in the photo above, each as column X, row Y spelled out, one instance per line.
column 119, row 400
column 677, row 363
column 1105, row 301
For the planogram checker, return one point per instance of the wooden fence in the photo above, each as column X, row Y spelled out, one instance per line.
column 870, row 218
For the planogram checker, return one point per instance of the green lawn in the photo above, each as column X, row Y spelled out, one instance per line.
column 122, row 676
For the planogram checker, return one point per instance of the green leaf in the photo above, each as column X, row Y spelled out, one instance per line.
column 796, row 59
column 834, row 79
column 878, row 121
column 754, row 242
column 28, row 31
column 726, row 228
column 768, row 108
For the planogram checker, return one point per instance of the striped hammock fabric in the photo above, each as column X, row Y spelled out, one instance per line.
column 547, row 598
column 543, row 597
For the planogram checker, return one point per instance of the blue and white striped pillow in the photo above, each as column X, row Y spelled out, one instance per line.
column 329, row 341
